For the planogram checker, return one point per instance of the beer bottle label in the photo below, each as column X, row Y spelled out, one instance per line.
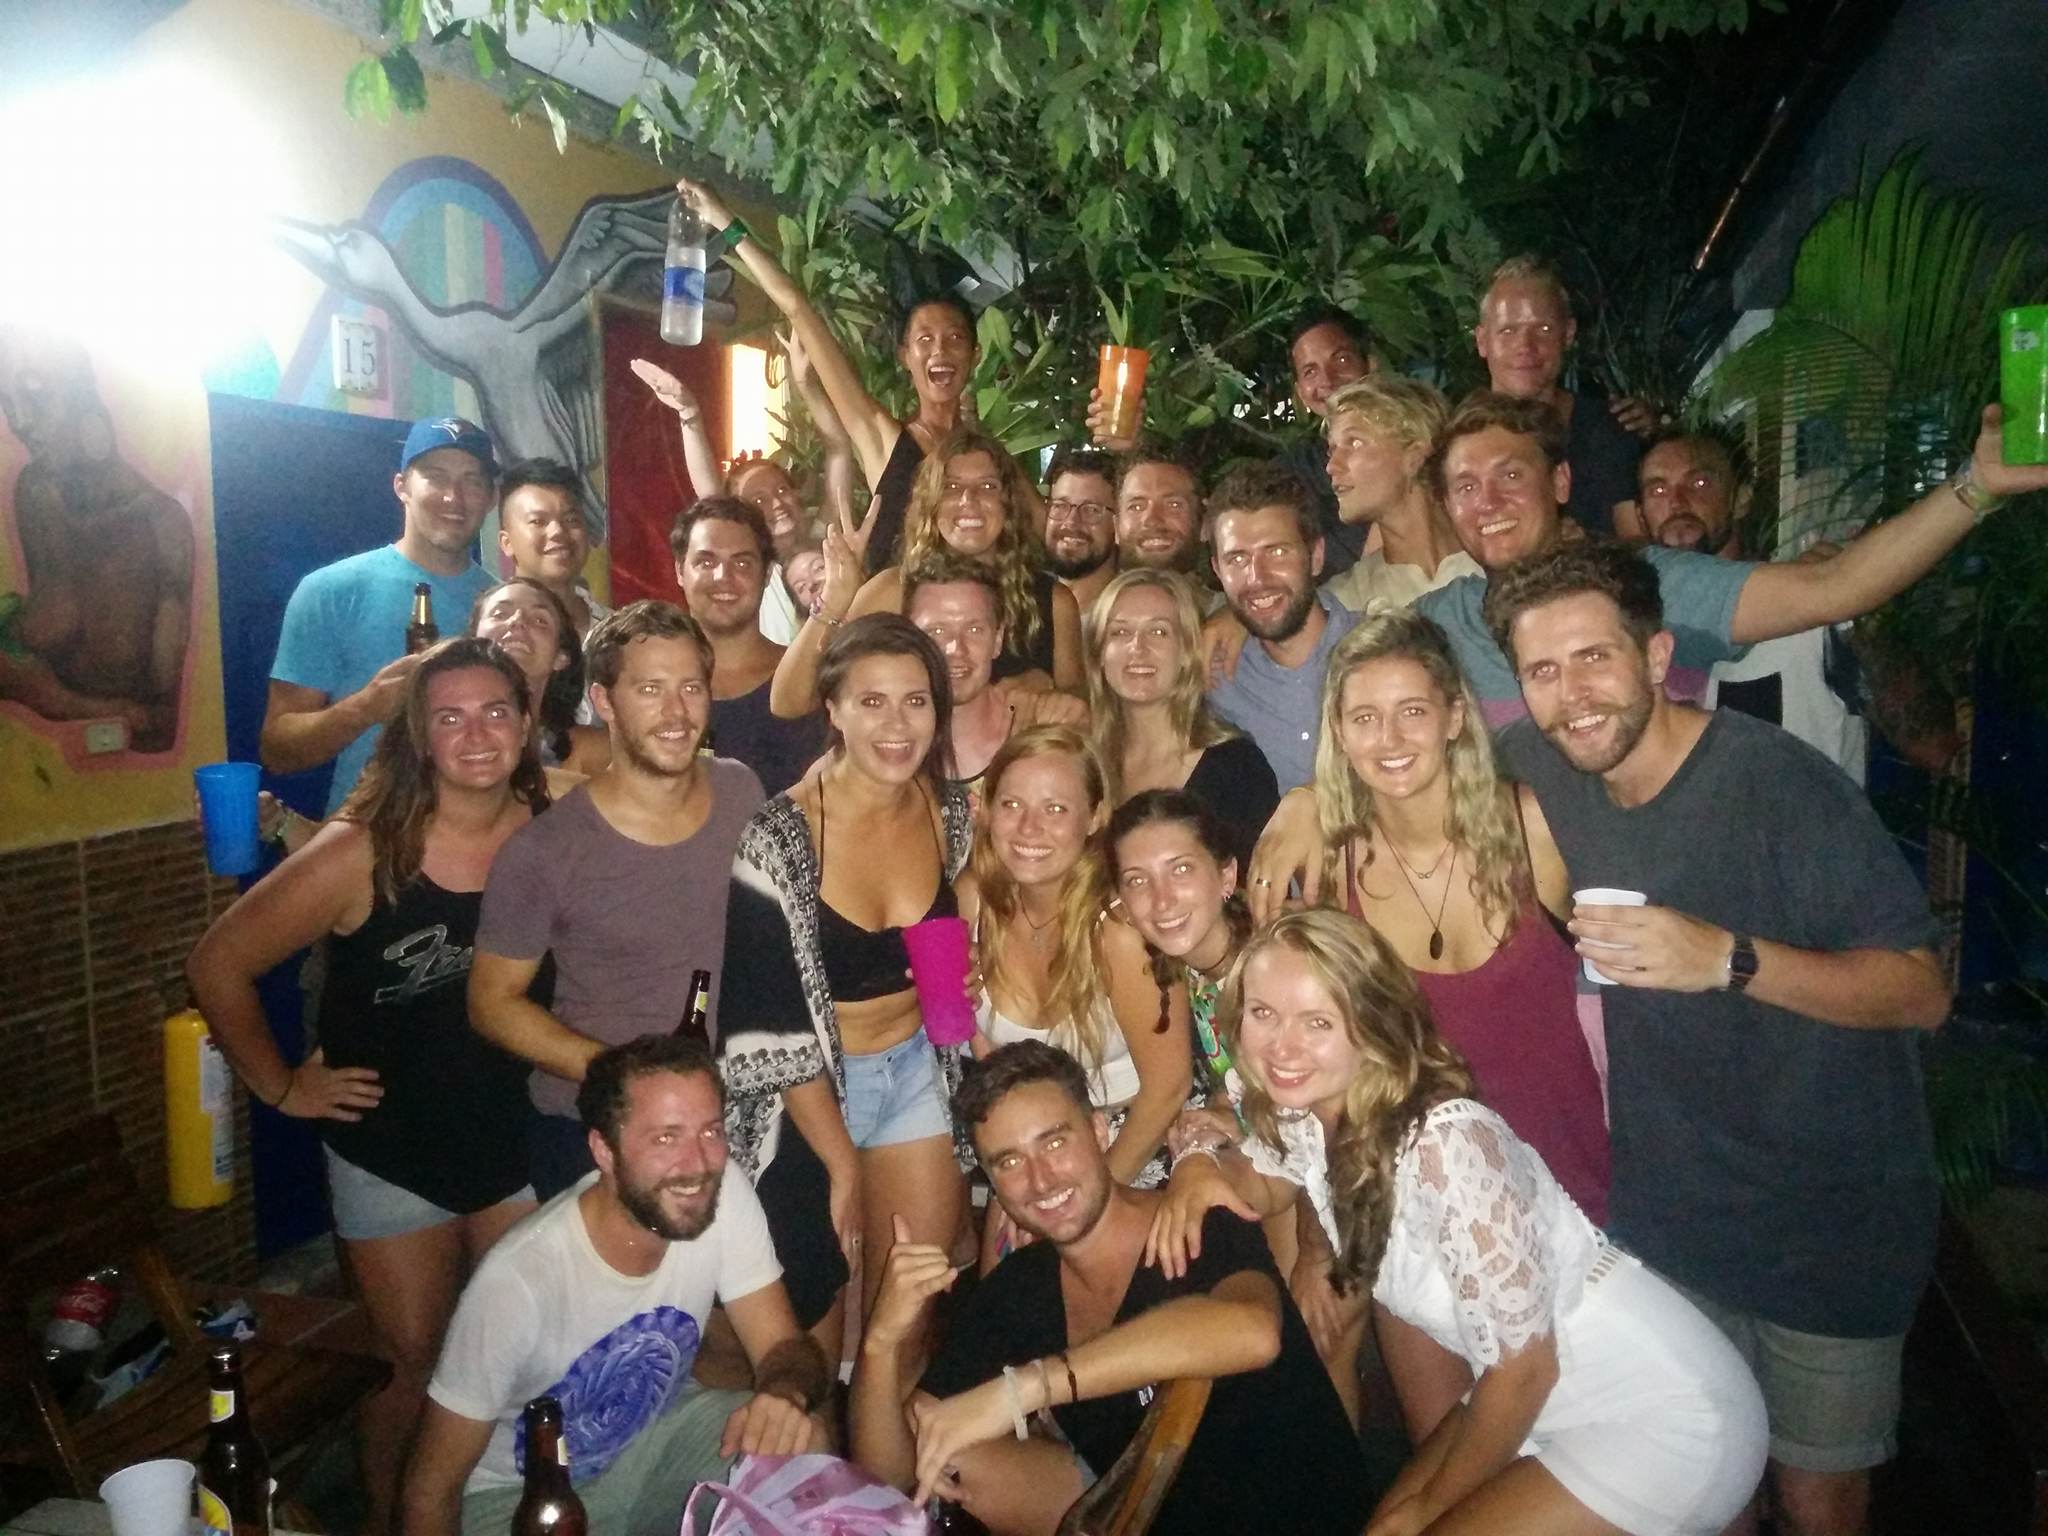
column 220, row 1405
column 213, row 1514
column 562, row 1450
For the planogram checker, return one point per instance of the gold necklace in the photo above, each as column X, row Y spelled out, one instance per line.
column 1436, row 924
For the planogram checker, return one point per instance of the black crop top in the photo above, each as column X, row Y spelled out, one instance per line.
column 862, row 964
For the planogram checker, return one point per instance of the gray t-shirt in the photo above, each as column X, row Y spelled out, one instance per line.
column 1767, row 1160
column 627, row 922
column 1700, row 593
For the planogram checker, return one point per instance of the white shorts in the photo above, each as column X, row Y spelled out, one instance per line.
column 1655, row 1423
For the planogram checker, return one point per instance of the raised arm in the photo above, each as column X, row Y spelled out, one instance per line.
column 1786, row 597
column 838, row 491
column 793, row 691
column 706, row 478
column 323, row 887
column 913, row 1274
column 868, row 423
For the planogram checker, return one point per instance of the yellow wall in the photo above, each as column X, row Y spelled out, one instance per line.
column 285, row 68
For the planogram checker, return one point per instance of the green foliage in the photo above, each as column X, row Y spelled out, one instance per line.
column 1211, row 165
column 1882, row 359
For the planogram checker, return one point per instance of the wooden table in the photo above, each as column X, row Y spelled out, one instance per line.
column 76, row 1517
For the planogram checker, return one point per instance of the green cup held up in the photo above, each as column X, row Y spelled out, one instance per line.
column 2023, row 383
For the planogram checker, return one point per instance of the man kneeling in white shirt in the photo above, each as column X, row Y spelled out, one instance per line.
column 599, row 1299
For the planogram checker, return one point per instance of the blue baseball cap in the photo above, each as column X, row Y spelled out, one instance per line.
column 448, row 432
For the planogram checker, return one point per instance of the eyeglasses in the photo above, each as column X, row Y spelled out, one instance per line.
column 1087, row 511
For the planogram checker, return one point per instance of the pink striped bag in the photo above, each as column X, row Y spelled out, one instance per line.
column 808, row 1495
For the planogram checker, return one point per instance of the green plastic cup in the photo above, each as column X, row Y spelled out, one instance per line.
column 2023, row 383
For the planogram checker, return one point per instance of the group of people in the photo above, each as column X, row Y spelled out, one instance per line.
column 1377, row 955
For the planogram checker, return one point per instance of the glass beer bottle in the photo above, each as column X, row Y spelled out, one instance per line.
column 234, row 1472
column 696, row 1023
column 422, row 631
column 549, row 1506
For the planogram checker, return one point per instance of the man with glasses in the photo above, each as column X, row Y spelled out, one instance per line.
column 1080, row 522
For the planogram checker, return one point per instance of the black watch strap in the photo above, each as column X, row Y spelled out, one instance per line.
column 1741, row 963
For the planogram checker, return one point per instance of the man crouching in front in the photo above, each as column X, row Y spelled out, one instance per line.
column 599, row 1299
column 1046, row 1369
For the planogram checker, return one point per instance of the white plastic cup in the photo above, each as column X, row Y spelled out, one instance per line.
column 151, row 1498
column 1604, row 896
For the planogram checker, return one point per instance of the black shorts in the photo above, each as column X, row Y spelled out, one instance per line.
column 796, row 1195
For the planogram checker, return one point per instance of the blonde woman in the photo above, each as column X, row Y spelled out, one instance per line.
column 969, row 500
column 1456, row 869
column 1053, row 965
column 1151, row 728
column 1604, row 1401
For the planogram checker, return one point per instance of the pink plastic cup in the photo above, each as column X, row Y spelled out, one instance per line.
column 938, row 969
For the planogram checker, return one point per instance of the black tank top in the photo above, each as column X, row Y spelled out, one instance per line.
column 884, row 544
column 451, row 1126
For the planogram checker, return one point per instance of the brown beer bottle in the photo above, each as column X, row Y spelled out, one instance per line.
column 422, row 631
column 234, row 1473
column 696, row 1023
column 549, row 1504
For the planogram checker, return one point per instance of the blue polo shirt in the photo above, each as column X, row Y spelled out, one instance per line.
column 1281, row 708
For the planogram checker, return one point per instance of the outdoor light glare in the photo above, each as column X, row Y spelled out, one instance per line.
column 152, row 245
column 755, row 402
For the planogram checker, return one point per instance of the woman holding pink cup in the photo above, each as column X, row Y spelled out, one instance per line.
column 840, row 1034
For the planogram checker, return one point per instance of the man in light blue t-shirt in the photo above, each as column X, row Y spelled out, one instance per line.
column 1499, row 468
column 1268, row 554
column 341, row 665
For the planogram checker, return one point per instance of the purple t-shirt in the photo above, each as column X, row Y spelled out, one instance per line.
column 627, row 922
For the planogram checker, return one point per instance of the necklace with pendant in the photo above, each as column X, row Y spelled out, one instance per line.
column 1436, row 924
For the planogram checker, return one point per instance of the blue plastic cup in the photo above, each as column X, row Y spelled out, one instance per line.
column 227, row 815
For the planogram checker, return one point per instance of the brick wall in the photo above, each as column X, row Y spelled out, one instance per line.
column 95, row 935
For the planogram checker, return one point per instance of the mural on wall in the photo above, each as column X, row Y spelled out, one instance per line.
column 444, row 260
column 100, row 618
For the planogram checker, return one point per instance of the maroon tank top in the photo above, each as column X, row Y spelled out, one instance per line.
column 1515, row 1020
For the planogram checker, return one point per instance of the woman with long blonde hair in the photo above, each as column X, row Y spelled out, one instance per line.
column 1456, row 869
column 971, row 500
column 1642, row 1417
column 1151, row 726
column 1054, row 964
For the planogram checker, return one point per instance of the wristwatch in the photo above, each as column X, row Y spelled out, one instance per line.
column 1741, row 963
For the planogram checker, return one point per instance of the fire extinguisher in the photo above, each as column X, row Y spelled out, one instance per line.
column 199, row 1114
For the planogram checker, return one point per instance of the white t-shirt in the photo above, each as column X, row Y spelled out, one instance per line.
column 1807, row 706
column 778, row 619
column 1373, row 579
column 544, row 1315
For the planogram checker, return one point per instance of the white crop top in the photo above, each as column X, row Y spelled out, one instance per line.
column 1115, row 1083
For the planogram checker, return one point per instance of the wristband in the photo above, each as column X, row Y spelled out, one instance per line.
column 1204, row 1150
column 1016, row 1402
column 1982, row 503
column 1073, row 1386
column 730, row 237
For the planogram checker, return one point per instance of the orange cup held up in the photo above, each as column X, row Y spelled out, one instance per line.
column 1122, row 382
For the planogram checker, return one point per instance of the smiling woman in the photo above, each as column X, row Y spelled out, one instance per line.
column 424, row 1122
column 839, row 1099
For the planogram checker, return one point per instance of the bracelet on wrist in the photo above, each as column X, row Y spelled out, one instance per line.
column 1982, row 503
column 1016, row 1397
column 730, row 237
column 1201, row 1150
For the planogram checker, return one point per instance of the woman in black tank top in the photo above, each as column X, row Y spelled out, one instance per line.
column 968, row 506
column 424, row 1121
column 935, row 343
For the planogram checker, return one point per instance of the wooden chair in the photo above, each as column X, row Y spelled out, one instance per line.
column 1125, row 1499
column 69, row 1204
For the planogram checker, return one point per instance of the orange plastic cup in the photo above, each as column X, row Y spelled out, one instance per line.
column 1121, row 379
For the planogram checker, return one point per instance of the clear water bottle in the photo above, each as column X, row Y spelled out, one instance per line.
column 682, row 278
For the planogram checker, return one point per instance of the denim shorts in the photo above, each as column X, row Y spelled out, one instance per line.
column 367, row 1207
column 896, row 1095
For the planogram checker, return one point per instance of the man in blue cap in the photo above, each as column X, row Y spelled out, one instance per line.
column 341, row 665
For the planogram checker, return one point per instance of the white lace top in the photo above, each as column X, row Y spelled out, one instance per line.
column 1486, row 1251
